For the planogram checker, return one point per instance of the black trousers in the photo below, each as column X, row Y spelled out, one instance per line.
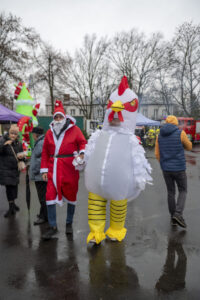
column 179, row 179
column 11, row 192
column 41, row 187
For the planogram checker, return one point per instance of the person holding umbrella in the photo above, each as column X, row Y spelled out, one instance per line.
column 63, row 141
column 35, row 175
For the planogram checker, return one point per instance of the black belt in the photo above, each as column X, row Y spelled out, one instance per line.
column 62, row 155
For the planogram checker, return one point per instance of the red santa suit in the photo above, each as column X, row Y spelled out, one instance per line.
column 57, row 156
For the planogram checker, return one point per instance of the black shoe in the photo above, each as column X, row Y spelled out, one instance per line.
column 50, row 233
column 16, row 207
column 173, row 222
column 179, row 220
column 69, row 228
column 11, row 212
column 39, row 221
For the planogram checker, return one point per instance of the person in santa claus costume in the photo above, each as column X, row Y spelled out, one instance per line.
column 116, row 167
column 63, row 143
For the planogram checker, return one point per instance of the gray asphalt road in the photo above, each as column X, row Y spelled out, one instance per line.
column 153, row 262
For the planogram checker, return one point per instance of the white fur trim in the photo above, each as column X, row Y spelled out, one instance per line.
column 56, row 201
column 71, row 118
column 58, row 144
column 44, row 170
column 82, row 151
column 71, row 202
column 60, row 113
column 25, row 102
column 60, row 202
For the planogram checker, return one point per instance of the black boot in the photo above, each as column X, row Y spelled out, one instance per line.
column 69, row 229
column 50, row 233
column 11, row 210
column 16, row 207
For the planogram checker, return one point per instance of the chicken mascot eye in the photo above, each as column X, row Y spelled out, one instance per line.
column 132, row 103
column 131, row 106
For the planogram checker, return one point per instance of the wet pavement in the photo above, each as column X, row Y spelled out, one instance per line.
column 153, row 262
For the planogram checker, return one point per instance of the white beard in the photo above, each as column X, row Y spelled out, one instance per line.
column 58, row 125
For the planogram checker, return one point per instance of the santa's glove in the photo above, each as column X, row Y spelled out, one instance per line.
column 78, row 163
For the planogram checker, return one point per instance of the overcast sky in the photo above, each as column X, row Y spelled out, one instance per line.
column 64, row 23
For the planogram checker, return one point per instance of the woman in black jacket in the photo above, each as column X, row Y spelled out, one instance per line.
column 9, row 174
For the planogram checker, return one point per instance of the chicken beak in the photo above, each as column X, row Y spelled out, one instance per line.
column 117, row 106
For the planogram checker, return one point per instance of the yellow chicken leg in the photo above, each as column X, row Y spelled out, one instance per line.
column 118, row 209
column 96, row 218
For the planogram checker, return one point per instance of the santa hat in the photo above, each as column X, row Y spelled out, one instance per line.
column 18, row 89
column 36, row 109
column 59, row 109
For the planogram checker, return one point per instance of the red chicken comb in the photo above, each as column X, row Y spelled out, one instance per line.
column 123, row 85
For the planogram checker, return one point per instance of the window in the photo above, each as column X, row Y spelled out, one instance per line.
column 72, row 112
column 164, row 113
column 189, row 122
column 144, row 112
column 181, row 122
column 81, row 111
column 155, row 113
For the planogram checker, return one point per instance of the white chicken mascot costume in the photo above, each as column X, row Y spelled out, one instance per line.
column 116, row 167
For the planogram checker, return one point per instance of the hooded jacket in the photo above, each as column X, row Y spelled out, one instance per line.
column 170, row 146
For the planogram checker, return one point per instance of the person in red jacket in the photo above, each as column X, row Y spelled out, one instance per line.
column 63, row 141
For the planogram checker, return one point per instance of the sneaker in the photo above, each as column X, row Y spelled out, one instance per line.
column 39, row 221
column 173, row 222
column 50, row 233
column 69, row 228
column 179, row 220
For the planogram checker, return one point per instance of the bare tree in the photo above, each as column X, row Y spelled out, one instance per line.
column 81, row 75
column 15, row 42
column 124, row 53
column 48, row 63
column 136, row 57
column 162, row 90
column 186, row 73
column 162, row 86
column 106, row 83
column 149, row 62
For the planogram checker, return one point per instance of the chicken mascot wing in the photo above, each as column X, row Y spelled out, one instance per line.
column 116, row 167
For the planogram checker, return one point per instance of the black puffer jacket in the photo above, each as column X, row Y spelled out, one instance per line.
column 9, row 174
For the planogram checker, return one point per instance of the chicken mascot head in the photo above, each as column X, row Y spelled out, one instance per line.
column 116, row 167
column 121, row 109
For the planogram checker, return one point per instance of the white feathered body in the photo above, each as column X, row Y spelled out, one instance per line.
column 116, row 167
